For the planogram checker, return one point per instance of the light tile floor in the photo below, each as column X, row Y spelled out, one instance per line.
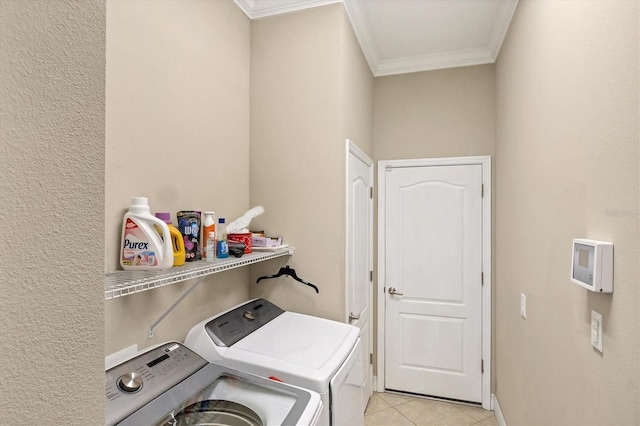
column 390, row 409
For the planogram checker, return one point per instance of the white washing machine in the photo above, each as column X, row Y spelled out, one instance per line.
column 310, row 352
column 171, row 385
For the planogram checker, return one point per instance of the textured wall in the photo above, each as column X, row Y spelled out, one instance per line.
column 52, row 70
column 567, row 167
column 303, row 79
column 177, row 128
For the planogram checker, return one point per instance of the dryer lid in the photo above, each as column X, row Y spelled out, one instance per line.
column 298, row 349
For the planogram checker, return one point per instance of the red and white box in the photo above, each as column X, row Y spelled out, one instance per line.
column 241, row 238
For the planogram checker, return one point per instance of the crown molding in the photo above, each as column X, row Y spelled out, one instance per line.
column 242, row 4
column 364, row 33
column 274, row 8
column 501, row 25
column 463, row 58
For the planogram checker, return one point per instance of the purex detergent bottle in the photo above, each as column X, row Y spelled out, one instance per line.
column 142, row 247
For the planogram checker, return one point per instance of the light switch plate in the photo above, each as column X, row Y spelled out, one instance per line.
column 596, row 330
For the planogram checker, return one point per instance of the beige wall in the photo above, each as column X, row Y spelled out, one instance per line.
column 177, row 130
column 310, row 90
column 567, row 167
column 52, row 60
column 444, row 113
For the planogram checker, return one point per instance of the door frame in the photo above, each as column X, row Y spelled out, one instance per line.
column 485, row 162
column 352, row 148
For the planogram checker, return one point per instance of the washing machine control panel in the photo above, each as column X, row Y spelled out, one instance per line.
column 134, row 383
column 238, row 323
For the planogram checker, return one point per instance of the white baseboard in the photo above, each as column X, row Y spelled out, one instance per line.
column 497, row 411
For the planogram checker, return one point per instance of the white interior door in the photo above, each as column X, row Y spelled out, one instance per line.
column 360, row 257
column 433, row 265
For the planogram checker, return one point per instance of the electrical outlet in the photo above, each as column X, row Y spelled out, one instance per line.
column 596, row 330
column 523, row 305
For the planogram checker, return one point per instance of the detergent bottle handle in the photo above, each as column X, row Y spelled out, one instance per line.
column 164, row 239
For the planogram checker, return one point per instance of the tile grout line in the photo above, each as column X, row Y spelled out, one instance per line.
column 474, row 421
column 488, row 414
column 393, row 407
column 408, row 419
column 468, row 415
column 399, row 412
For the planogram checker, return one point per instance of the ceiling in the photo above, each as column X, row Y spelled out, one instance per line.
column 402, row 36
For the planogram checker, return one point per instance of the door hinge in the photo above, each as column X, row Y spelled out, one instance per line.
column 482, row 365
column 482, row 190
column 371, row 276
column 371, row 359
column 371, row 192
column 482, row 278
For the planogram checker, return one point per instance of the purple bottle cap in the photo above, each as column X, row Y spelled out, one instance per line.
column 164, row 216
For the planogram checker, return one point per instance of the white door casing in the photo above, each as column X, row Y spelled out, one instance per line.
column 359, row 256
column 434, row 243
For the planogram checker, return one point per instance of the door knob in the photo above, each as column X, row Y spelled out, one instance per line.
column 352, row 317
column 393, row 292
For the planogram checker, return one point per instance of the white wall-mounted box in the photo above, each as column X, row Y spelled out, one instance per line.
column 592, row 265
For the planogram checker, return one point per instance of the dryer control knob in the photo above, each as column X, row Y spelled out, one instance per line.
column 249, row 315
column 130, row 382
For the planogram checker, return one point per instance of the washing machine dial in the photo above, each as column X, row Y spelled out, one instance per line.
column 130, row 382
column 249, row 315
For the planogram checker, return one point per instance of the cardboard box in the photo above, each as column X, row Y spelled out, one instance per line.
column 266, row 241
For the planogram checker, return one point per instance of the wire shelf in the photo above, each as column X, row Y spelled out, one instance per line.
column 123, row 283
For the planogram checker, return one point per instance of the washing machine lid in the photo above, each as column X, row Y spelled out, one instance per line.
column 229, row 397
column 299, row 349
